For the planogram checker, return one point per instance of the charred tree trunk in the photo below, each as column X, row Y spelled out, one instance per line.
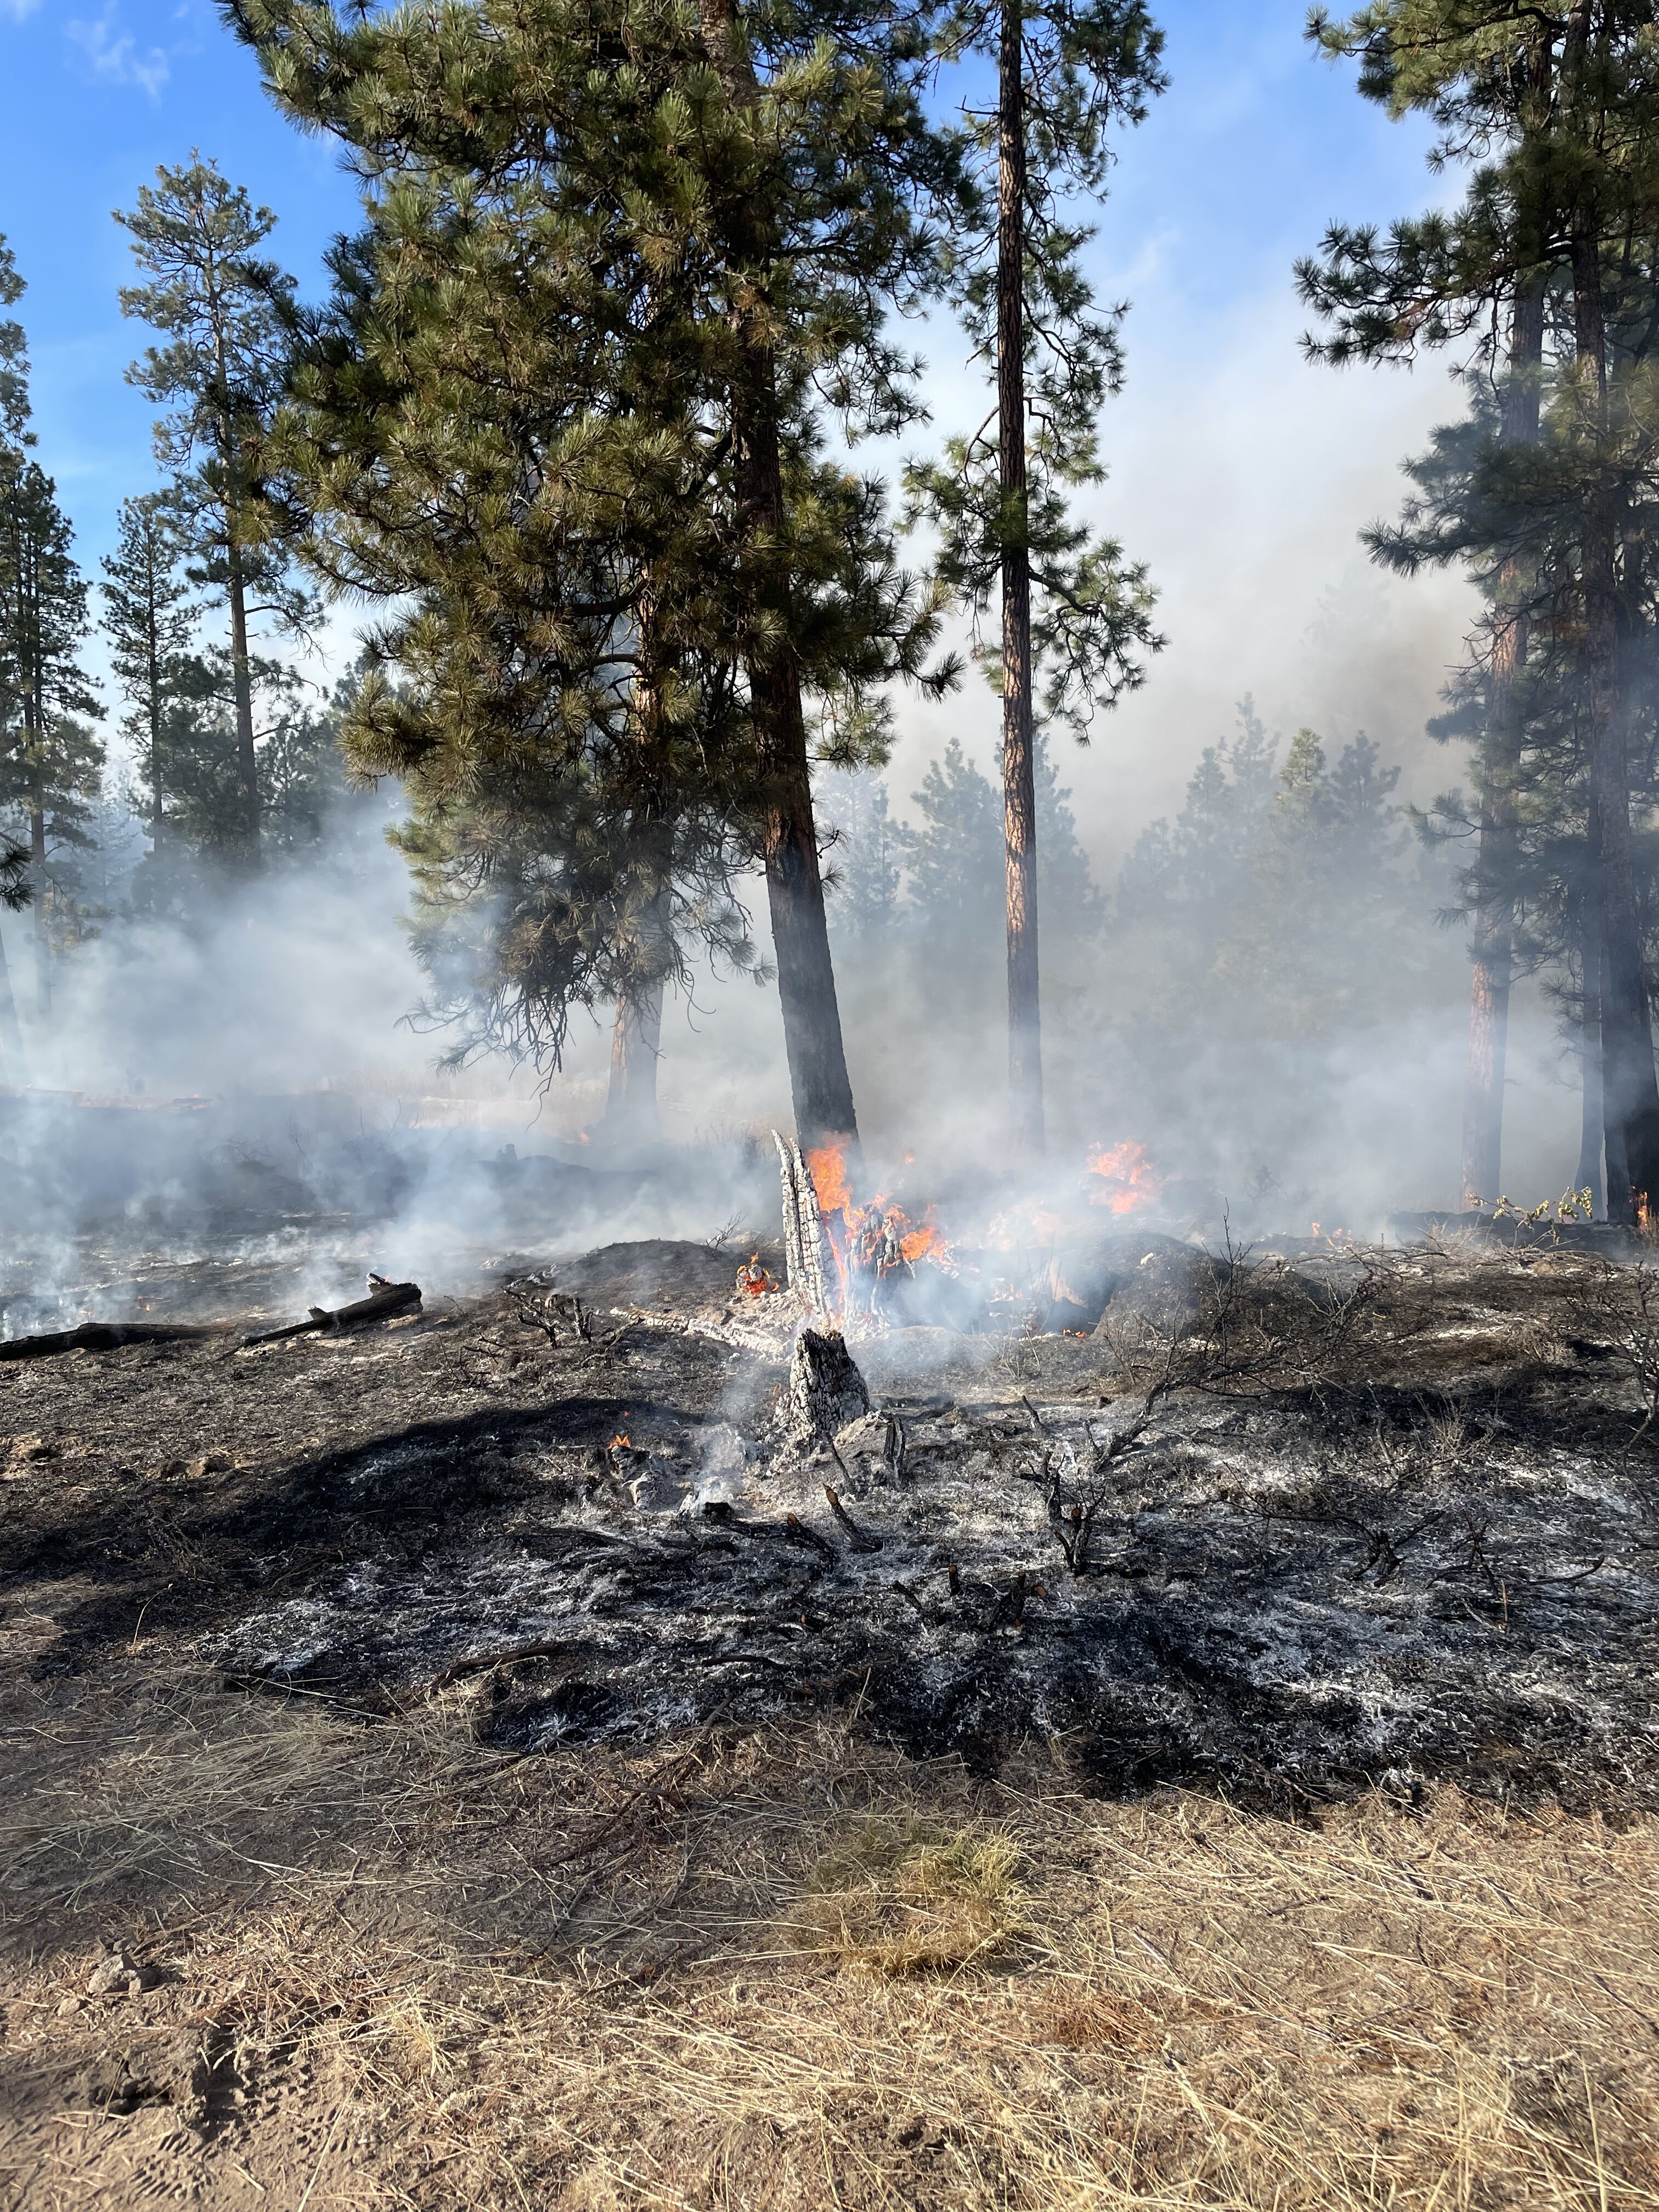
column 1019, row 774
column 820, row 1086
column 1632, row 1091
column 1491, row 949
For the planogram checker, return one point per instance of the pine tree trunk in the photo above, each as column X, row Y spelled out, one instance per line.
column 247, row 771
column 1590, row 1128
column 1627, row 1069
column 1018, row 779
column 11, row 1035
column 1491, row 948
column 820, row 1087
column 154, row 658
column 631, row 1113
column 34, row 733
column 42, row 943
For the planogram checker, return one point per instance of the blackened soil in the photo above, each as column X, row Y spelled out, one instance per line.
column 1398, row 1520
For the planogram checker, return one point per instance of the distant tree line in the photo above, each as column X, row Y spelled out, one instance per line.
column 231, row 759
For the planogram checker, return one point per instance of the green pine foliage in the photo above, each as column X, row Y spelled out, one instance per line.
column 864, row 875
column 1086, row 68
column 1285, row 900
column 223, row 309
column 953, row 856
column 600, row 244
column 150, row 627
column 50, row 762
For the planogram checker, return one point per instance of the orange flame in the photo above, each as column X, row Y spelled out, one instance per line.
column 858, row 1232
column 619, row 1444
column 924, row 1243
column 1128, row 1183
column 827, row 1166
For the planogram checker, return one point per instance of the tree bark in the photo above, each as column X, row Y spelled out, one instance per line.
column 1632, row 1091
column 153, row 676
column 241, row 677
column 1018, row 777
column 631, row 1113
column 1591, row 960
column 1492, row 941
column 38, row 909
column 820, row 1087
column 11, row 1035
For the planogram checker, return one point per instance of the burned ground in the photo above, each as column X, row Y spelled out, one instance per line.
column 434, row 1721
column 1315, row 1524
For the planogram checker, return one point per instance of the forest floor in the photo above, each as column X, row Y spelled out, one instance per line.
column 1210, row 1759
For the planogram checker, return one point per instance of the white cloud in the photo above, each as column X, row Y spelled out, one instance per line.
column 19, row 10
column 116, row 60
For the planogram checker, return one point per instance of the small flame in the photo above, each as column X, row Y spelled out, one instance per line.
column 1128, row 1183
column 620, row 1443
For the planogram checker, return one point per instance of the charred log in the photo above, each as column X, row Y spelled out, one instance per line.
column 109, row 1336
column 384, row 1301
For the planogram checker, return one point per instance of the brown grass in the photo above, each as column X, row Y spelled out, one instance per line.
column 789, row 1969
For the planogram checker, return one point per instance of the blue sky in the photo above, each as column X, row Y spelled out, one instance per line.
column 1254, row 146
column 1239, row 472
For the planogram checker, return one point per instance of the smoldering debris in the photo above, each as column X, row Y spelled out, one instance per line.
column 1379, row 1515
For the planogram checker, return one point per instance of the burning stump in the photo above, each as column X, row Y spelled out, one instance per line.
column 826, row 1390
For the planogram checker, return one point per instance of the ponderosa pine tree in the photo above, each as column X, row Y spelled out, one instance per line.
column 221, row 305
column 1561, row 105
column 15, row 433
column 49, row 764
column 595, row 467
column 149, row 622
column 15, row 890
column 1436, row 279
column 864, row 903
column 949, row 855
column 14, row 438
column 1067, row 71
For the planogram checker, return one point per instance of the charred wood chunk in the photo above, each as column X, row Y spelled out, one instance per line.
column 826, row 1390
column 864, row 1540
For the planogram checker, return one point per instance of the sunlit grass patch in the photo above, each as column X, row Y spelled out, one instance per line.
column 895, row 1896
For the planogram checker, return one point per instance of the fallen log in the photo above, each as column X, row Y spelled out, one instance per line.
column 384, row 1300
column 107, row 1335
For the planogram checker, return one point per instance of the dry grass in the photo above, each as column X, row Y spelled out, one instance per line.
column 776, row 1970
column 1434, row 1313
column 896, row 1896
